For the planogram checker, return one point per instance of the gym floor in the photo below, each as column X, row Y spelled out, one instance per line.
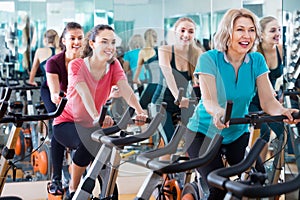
column 129, row 175
column 37, row 191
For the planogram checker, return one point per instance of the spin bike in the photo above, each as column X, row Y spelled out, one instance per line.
column 108, row 159
column 17, row 119
column 158, row 181
column 257, row 184
column 254, row 188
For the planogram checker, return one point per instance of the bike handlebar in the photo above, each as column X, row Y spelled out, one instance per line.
column 104, row 112
column 257, row 191
column 180, row 95
column 220, row 178
column 25, row 87
column 228, row 111
column 147, row 159
column 255, row 119
column 123, row 141
column 5, row 94
column 122, row 124
column 16, row 118
column 210, row 153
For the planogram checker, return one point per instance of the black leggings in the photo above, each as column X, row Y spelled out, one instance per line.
column 73, row 136
column 234, row 153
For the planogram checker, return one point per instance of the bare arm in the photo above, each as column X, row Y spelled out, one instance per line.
column 34, row 67
column 87, row 99
column 164, row 55
column 139, row 67
column 127, row 93
column 268, row 101
column 89, row 104
column 126, row 68
column 210, row 100
column 54, row 87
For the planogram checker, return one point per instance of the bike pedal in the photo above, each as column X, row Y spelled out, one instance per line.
column 55, row 197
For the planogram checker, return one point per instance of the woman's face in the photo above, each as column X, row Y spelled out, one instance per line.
column 243, row 35
column 185, row 33
column 272, row 33
column 104, row 46
column 73, row 40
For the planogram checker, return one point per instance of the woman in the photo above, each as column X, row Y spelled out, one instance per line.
column 148, row 57
column 271, row 49
column 51, row 47
column 135, row 44
column 57, row 80
column 177, row 63
column 224, row 73
column 90, row 81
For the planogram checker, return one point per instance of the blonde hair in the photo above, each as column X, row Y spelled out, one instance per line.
column 51, row 37
column 150, row 37
column 263, row 23
column 136, row 42
column 223, row 35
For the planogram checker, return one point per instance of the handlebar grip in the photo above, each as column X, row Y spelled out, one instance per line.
column 61, row 93
column 180, row 95
column 228, row 111
column 296, row 115
column 125, row 120
column 102, row 115
column 124, row 141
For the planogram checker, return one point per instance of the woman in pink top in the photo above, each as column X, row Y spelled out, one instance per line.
column 90, row 81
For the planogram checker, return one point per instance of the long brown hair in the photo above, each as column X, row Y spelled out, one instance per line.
column 69, row 26
column 87, row 51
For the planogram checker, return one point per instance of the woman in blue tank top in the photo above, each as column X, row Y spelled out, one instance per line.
column 224, row 73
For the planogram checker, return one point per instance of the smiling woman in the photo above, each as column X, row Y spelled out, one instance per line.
column 127, row 17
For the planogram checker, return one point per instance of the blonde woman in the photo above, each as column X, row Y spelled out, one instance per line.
column 148, row 58
column 136, row 43
column 270, row 47
column 177, row 63
column 51, row 47
column 224, row 73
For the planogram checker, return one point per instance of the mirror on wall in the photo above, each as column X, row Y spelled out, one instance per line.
column 291, row 28
column 23, row 22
